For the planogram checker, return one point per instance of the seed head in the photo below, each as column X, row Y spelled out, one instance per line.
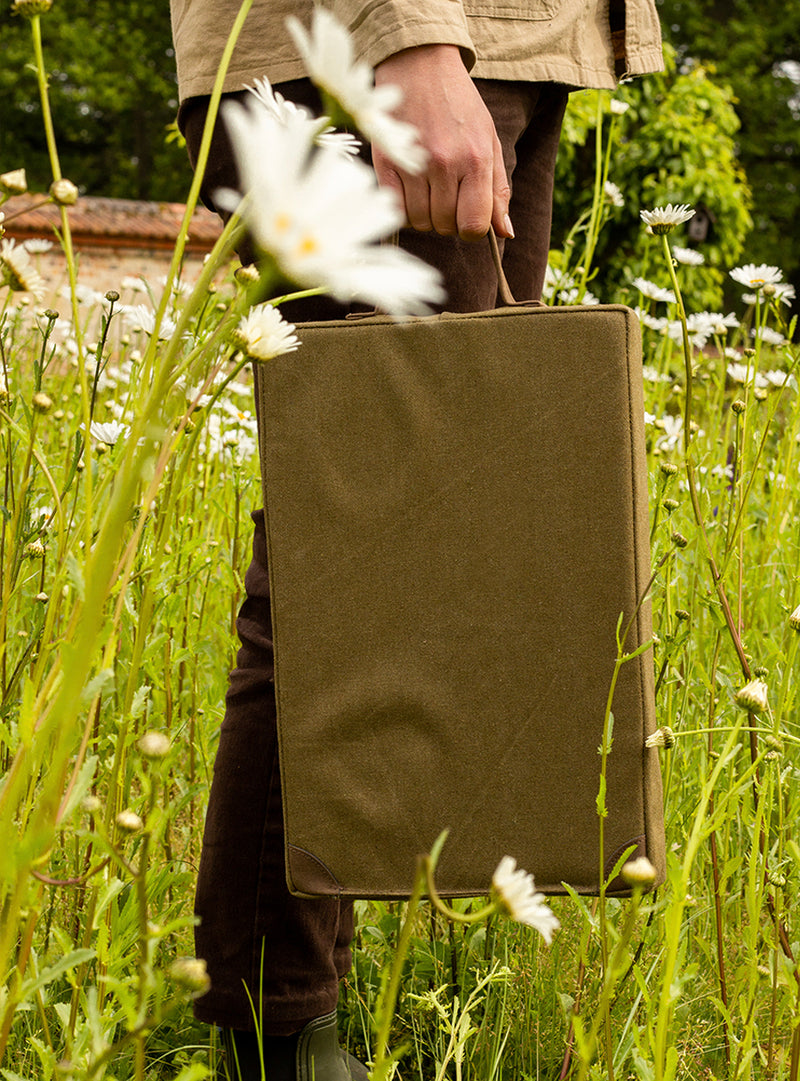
column 752, row 697
column 63, row 192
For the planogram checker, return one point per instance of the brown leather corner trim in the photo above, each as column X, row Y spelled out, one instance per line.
column 309, row 875
column 618, row 885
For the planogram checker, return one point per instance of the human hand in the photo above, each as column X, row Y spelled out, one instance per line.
column 464, row 188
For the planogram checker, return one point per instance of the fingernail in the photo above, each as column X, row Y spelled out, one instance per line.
column 508, row 225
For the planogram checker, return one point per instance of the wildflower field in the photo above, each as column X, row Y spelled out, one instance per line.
column 129, row 470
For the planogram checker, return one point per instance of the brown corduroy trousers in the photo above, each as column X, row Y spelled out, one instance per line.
column 274, row 959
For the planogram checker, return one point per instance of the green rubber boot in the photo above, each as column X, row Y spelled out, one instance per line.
column 313, row 1054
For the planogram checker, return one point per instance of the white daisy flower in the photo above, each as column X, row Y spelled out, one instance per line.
column 109, row 432
column 784, row 292
column 777, row 378
column 17, row 270
column 618, row 107
column 672, row 427
column 136, row 285
column 330, row 61
column 743, row 373
column 613, row 193
column 653, row 291
column 755, row 276
column 664, row 218
column 263, row 333
column 319, row 128
column 516, row 894
column 688, row 256
column 37, row 245
column 768, row 335
column 319, row 215
column 651, row 374
column 140, row 317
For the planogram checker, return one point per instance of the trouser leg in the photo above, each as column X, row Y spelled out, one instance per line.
column 244, row 905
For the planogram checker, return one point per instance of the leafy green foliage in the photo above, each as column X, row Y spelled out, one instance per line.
column 676, row 144
column 113, row 95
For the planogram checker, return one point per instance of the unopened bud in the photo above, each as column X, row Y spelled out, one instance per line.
column 738, row 406
column 64, row 192
column 42, row 403
column 13, row 182
column 639, row 873
column 679, row 540
column 129, row 822
column 753, row 696
column 247, row 275
column 670, row 505
column 662, row 737
column 669, row 469
column 154, row 745
column 794, row 619
column 191, row 973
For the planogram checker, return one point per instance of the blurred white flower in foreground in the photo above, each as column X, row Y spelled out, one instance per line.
column 320, row 130
column 332, row 66
column 37, row 245
column 613, row 192
column 17, row 270
column 319, row 214
column 664, row 218
column 263, row 333
column 516, row 893
column 755, row 276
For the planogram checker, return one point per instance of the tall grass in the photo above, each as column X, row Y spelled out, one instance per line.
column 122, row 552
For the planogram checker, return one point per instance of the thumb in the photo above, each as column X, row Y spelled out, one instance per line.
column 501, row 195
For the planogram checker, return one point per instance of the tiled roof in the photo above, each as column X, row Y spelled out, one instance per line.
column 102, row 222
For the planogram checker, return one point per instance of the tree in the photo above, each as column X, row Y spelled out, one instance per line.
column 113, row 95
column 754, row 47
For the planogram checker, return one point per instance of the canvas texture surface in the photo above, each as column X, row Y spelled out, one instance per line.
column 456, row 513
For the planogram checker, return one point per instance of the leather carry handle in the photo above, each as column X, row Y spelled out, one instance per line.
column 503, row 288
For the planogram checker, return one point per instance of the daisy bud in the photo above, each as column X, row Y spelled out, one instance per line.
column 190, row 973
column 64, row 192
column 129, row 822
column 738, row 406
column 662, row 737
column 35, row 549
column 753, row 696
column 682, row 615
column 794, row 619
column 42, row 403
column 670, row 505
column 42, row 598
column 639, row 873
column 669, row 469
column 91, row 805
column 247, row 275
column 768, row 290
column 112, row 296
column 679, row 540
column 775, row 878
column 29, row 8
column 14, row 182
column 154, row 745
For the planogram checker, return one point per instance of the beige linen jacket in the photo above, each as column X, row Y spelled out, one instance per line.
column 562, row 41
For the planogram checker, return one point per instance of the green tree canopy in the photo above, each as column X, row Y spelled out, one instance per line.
column 113, row 95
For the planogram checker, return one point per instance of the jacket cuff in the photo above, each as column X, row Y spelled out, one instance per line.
column 388, row 26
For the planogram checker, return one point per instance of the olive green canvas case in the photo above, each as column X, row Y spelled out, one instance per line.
column 456, row 512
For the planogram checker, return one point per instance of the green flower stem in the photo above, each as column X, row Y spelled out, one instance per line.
column 387, row 1001
column 691, row 479
column 202, row 162
column 445, row 909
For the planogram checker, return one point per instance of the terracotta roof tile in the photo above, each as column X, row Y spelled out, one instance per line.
column 98, row 221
